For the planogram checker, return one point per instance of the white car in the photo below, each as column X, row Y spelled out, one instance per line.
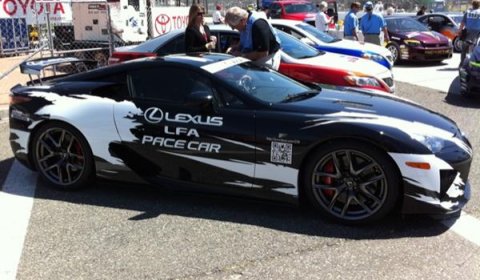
column 325, row 42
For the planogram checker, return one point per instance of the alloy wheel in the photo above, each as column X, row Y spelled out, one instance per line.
column 393, row 49
column 349, row 184
column 60, row 156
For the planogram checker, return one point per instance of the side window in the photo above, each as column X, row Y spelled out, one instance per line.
column 228, row 99
column 176, row 45
column 296, row 34
column 284, row 29
column 227, row 40
column 275, row 11
column 115, row 87
column 166, row 84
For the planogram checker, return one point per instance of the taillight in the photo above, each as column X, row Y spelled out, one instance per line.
column 18, row 99
column 118, row 57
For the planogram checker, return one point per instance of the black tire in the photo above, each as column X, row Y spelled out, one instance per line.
column 62, row 156
column 457, row 44
column 351, row 183
column 395, row 50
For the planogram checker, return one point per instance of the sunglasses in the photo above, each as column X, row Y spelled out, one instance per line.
column 233, row 27
column 200, row 14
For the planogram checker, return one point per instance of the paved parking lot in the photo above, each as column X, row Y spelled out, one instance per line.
column 117, row 231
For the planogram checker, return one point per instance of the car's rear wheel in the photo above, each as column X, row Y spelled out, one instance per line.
column 351, row 183
column 62, row 156
column 395, row 50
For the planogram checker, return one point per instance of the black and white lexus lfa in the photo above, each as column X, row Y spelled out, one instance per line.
column 220, row 123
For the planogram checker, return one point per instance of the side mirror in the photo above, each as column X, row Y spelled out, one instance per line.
column 202, row 99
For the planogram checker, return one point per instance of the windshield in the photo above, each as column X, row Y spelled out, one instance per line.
column 261, row 83
column 322, row 36
column 294, row 47
column 295, row 8
column 405, row 24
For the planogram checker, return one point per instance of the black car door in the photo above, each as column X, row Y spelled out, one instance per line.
column 171, row 135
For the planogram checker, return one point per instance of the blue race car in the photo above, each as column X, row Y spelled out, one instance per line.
column 325, row 42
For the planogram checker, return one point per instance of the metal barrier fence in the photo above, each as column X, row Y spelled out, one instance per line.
column 79, row 28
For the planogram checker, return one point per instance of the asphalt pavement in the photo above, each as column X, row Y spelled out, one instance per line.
column 120, row 231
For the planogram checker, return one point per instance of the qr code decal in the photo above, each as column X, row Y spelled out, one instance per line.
column 281, row 152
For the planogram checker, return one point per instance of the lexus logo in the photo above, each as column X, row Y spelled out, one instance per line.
column 153, row 115
column 162, row 24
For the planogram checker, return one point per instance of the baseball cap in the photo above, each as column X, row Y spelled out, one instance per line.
column 369, row 4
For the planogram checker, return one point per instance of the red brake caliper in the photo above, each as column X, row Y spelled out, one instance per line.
column 78, row 150
column 328, row 168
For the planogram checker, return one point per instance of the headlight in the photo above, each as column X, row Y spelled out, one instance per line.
column 362, row 81
column 434, row 144
column 372, row 56
column 413, row 43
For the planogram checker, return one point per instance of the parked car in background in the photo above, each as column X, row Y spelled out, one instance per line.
column 325, row 42
column 299, row 60
column 444, row 24
column 293, row 9
column 411, row 40
column 213, row 122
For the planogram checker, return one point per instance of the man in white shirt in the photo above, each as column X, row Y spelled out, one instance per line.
column 321, row 18
column 217, row 15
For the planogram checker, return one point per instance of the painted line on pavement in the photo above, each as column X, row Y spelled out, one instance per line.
column 466, row 226
column 16, row 201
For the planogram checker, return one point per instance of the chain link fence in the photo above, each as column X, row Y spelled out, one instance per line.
column 61, row 28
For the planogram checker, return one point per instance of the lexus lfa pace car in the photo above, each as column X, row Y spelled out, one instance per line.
column 217, row 122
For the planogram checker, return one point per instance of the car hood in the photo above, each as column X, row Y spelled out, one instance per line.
column 342, row 62
column 300, row 16
column 379, row 109
column 365, row 47
column 428, row 37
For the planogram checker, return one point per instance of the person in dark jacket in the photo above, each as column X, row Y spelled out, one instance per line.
column 422, row 11
column 197, row 34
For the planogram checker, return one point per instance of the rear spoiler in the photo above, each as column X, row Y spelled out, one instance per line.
column 36, row 66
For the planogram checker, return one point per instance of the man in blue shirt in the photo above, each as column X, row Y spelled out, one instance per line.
column 372, row 24
column 350, row 23
column 471, row 23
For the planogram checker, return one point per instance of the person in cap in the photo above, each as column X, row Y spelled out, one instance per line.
column 350, row 23
column 258, row 40
column 217, row 15
column 322, row 20
column 372, row 24
column 471, row 24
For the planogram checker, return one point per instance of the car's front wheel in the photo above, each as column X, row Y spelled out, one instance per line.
column 351, row 182
column 457, row 44
column 395, row 51
column 62, row 156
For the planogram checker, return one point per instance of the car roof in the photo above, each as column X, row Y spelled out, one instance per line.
column 398, row 16
column 289, row 22
column 195, row 60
